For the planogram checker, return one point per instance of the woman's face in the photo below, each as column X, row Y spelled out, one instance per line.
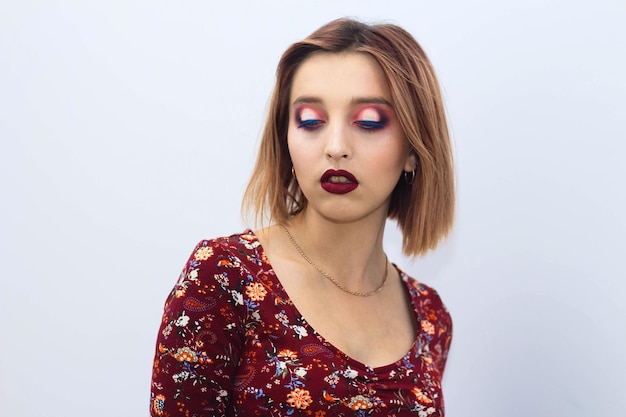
column 347, row 147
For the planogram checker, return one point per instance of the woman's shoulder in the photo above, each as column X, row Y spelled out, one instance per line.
column 426, row 298
column 236, row 242
column 225, row 254
column 225, row 263
column 237, row 247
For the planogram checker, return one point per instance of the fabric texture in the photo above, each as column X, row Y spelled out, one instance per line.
column 231, row 343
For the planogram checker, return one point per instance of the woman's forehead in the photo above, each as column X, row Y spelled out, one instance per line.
column 351, row 77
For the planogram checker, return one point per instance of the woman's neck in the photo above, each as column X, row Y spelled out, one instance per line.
column 351, row 252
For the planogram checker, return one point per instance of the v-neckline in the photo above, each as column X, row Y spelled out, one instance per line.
column 357, row 364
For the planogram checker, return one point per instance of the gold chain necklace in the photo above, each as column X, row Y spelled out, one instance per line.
column 331, row 279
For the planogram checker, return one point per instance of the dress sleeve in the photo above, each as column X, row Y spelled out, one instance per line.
column 440, row 329
column 200, row 336
column 435, row 323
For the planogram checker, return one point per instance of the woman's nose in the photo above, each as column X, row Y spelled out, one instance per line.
column 338, row 143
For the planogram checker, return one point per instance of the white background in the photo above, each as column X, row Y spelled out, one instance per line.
column 128, row 131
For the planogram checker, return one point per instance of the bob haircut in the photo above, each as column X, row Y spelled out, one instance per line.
column 424, row 210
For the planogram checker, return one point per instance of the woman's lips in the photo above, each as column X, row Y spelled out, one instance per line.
column 338, row 181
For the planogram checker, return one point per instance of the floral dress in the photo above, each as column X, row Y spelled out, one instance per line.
column 231, row 343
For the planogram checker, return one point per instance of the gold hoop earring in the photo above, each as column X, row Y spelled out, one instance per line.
column 410, row 180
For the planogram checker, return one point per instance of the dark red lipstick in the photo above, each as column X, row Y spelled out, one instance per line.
column 338, row 181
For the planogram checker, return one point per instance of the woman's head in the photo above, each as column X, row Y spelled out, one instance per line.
column 424, row 209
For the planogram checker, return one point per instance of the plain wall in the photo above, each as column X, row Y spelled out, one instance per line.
column 128, row 131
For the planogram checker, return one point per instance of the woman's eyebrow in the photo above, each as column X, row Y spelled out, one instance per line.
column 355, row 100
column 371, row 100
column 307, row 100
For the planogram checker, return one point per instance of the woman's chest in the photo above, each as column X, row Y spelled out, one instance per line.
column 286, row 368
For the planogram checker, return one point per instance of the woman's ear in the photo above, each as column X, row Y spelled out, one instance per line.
column 411, row 162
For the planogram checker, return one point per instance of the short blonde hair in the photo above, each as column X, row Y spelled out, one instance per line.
column 423, row 210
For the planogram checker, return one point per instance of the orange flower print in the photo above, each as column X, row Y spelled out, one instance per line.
column 158, row 404
column 320, row 413
column 420, row 396
column 432, row 315
column 299, row 398
column 203, row 253
column 185, row 354
column 428, row 327
column 359, row 402
column 287, row 354
column 256, row 291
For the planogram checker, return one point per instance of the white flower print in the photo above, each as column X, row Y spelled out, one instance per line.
column 193, row 275
column 167, row 330
column 300, row 331
column 282, row 318
column 222, row 279
column 300, row 371
column 427, row 412
column 251, row 245
column 350, row 373
column 182, row 376
column 221, row 395
column 182, row 320
column 237, row 297
column 332, row 379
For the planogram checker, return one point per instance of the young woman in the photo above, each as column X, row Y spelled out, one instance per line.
column 308, row 316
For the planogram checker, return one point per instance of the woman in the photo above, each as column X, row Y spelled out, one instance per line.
column 308, row 316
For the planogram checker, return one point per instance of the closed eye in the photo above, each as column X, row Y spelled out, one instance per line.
column 370, row 118
column 370, row 124
column 310, row 124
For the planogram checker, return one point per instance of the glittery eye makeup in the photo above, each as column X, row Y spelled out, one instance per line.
column 371, row 118
column 308, row 118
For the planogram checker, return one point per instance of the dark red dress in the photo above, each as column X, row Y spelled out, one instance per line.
column 232, row 343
